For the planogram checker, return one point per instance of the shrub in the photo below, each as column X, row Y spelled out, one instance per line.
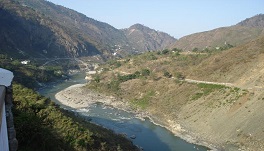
column 114, row 63
column 177, row 50
column 195, row 49
column 167, row 74
column 128, row 77
column 113, row 85
column 151, row 56
column 165, row 51
column 97, row 79
column 145, row 72
column 179, row 76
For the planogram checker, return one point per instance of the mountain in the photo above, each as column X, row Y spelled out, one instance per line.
column 38, row 28
column 25, row 32
column 145, row 39
column 215, row 98
column 255, row 21
column 235, row 35
column 241, row 65
column 103, row 36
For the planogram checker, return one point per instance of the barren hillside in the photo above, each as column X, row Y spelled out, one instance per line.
column 243, row 32
column 228, row 116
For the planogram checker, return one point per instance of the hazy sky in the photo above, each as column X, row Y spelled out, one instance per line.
column 175, row 17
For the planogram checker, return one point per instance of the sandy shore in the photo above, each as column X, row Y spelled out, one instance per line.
column 77, row 97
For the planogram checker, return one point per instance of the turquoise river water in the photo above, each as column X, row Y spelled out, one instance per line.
column 145, row 134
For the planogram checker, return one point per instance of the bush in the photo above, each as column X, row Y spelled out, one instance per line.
column 195, row 49
column 167, row 74
column 114, row 63
column 128, row 77
column 145, row 72
column 97, row 79
column 151, row 56
column 165, row 51
column 180, row 76
column 113, row 85
column 177, row 50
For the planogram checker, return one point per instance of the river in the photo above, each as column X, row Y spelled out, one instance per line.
column 143, row 133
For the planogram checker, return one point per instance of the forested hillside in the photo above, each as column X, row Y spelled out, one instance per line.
column 42, row 125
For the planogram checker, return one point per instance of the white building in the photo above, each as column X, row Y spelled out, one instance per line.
column 25, row 62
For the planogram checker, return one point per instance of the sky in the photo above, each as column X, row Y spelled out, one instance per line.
column 175, row 17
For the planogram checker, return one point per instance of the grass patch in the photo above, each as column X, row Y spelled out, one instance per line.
column 210, row 86
column 206, row 89
column 196, row 96
column 143, row 102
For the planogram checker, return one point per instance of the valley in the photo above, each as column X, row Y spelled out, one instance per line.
column 206, row 87
column 112, row 114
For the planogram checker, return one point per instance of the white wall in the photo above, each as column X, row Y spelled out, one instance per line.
column 3, row 132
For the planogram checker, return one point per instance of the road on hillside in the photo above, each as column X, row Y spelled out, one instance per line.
column 208, row 82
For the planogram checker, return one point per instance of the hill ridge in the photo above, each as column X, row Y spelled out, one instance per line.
column 146, row 39
column 255, row 21
column 235, row 35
